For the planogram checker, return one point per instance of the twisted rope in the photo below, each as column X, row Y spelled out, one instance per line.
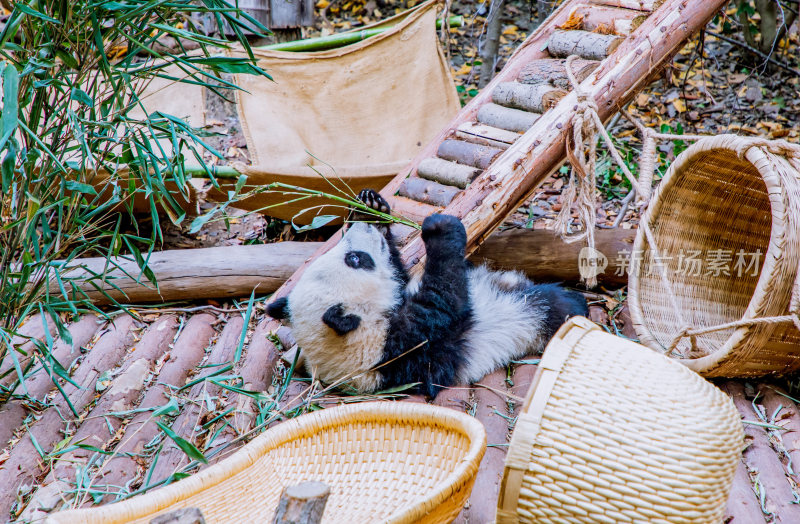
column 581, row 192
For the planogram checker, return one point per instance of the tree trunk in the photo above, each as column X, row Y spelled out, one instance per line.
column 492, row 43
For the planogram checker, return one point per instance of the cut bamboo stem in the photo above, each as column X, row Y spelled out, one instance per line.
column 447, row 173
column 468, row 153
column 537, row 98
column 587, row 45
column 342, row 39
column 506, row 118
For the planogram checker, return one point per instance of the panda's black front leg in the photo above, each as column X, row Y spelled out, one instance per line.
column 424, row 338
column 374, row 200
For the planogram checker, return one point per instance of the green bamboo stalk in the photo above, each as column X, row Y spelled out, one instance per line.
column 342, row 39
column 216, row 171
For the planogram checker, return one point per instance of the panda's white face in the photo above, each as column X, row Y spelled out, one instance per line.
column 356, row 273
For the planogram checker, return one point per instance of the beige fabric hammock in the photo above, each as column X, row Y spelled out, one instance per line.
column 359, row 113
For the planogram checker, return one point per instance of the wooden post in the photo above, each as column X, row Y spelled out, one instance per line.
column 302, row 504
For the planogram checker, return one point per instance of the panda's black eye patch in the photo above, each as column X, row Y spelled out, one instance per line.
column 359, row 260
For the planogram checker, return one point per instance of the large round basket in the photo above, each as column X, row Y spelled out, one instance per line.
column 612, row 432
column 384, row 462
column 725, row 223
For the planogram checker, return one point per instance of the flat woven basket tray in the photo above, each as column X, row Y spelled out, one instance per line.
column 726, row 225
column 613, row 432
column 384, row 462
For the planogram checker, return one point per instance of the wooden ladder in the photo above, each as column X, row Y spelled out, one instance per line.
column 483, row 166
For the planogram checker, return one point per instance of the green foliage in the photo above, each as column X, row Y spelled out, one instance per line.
column 77, row 145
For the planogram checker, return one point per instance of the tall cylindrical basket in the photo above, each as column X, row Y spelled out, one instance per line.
column 613, row 432
column 725, row 232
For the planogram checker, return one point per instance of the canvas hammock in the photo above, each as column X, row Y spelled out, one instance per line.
column 356, row 114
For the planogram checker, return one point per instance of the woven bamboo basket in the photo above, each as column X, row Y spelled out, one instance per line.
column 733, row 204
column 384, row 462
column 611, row 432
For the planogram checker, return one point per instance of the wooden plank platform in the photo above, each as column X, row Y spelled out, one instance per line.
column 161, row 359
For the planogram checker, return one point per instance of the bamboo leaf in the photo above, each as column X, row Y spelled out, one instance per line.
column 187, row 447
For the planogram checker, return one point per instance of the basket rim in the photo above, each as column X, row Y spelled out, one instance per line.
column 403, row 412
column 748, row 149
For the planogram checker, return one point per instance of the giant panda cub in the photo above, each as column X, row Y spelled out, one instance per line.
column 359, row 320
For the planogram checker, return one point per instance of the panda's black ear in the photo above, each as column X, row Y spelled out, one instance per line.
column 279, row 309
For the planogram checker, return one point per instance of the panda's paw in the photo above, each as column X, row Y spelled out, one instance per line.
column 444, row 232
column 373, row 200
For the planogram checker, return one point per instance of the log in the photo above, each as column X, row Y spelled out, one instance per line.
column 100, row 426
column 743, row 506
column 428, row 192
column 32, row 330
column 187, row 352
column 544, row 256
column 528, row 97
column 447, row 173
column 622, row 21
column 506, row 118
column 410, row 209
column 483, row 501
column 554, row 71
column 587, row 45
column 482, row 134
column 760, row 458
column 788, row 417
column 180, row 270
column 172, row 457
column 302, row 504
column 22, row 465
column 468, row 153
column 180, row 516
column 539, row 253
column 641, row 5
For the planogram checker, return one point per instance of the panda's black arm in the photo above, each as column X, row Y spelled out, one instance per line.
column 335, row 318
column 423, row 342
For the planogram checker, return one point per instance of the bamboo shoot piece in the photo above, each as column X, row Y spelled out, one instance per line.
column 468, row 153
column 554, row 71
column 482, row 134
column 447, row 173
column 537, row 97
column 590, row 46
column 427, row 191
column 506, row 118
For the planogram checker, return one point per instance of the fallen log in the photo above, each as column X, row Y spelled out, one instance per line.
column 590, row 46
column 537, row 98
column 234, row 271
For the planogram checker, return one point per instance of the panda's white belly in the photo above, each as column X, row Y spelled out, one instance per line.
column 334, row 358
